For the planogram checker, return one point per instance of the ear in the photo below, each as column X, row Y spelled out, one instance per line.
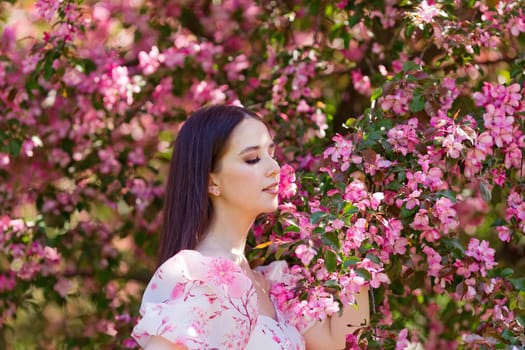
column 213, row 187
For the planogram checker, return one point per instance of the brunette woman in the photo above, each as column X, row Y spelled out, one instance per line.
column 204, row 295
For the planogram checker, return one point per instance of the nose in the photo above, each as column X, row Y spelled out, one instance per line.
column 274, row 169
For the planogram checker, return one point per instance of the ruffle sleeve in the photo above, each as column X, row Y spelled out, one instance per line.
column 200, row 302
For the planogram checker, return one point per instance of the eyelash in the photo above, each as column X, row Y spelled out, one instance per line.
column 257, row 159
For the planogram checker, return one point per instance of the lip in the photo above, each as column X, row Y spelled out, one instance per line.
column 272, row 189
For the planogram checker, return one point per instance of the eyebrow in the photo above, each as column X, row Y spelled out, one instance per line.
column 255, row 148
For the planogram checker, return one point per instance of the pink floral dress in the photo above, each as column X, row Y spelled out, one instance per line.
column 209, row 303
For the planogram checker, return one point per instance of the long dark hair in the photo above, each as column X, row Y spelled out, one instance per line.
column 198, row 146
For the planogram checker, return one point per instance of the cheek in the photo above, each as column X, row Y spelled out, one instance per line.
column 242, row 180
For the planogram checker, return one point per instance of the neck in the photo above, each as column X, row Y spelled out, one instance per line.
column 226, row 235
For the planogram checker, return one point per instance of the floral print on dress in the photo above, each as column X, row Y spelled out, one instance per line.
column 209, row 303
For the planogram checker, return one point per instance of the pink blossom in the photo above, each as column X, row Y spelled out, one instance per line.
column 361, row 83
column 303, row 107
column 500, row 126
column 351, row 284
column 421, row 221
column 402, row 343
column 433, row 261
column 109, row 164
column 403, row 138
column 4, row 223
column 234, row 68
column 473, row 162
column 516, row 25
column 450, row 94
column 337, row 224
column 378, row 277
column 355, row 191
column 130, row 343
column 51, row 254
column 7, row 281
column 150, row 62
column 117, row 86
column 453, row 146
column 513, row 156
column 412, row 200
column 47, row 8
column 485, row 142
column 394, row 240
column 482, row 253
column 29, row 63
column 498, row 176
column 376, row 199
column 355, row 235
column 62, row 287
column 136, row 156
column 398, row 103
column 504, row 233
column 142, row 191
column 342, row 4
column 377, row 164
column 342, row 152
column 426, row 12
column 446, row 214
column 431, row 235
column 202, row 92
column 287, row 186
column 4, row 160
column 305, row 253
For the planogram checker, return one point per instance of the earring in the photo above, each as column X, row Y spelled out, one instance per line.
column 215, row 191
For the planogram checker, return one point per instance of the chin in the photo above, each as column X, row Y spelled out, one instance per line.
column 273, row 207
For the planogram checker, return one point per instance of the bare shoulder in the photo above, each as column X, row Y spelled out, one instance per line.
column 263, row 281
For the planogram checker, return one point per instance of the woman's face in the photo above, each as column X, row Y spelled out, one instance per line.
column 247, row 175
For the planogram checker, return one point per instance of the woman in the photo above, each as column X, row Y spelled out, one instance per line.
column 204, row 295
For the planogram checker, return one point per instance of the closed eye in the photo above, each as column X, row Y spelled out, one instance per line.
column 253, row 160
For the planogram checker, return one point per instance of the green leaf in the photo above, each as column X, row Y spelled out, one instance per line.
column 364, row 273
column 331, row 239
column 406, row 213
column 318, row 231
column 373, row 258
column 332, row 284
column 410, row 29
column 292, row 228
column 350, row 209
column 455, row 247
column 48, row 68
column 521, row 320
column 518, row 283
column 330, row 260
column 409, row 65
column 507, row 335
column 15, row 147
column 397, row 288
column 376, row 94
column 499, row 222
column 449, row 194
column 351, row 261
column 352, row 21
column 506, row 272
column 418, row 102
column 316, row 217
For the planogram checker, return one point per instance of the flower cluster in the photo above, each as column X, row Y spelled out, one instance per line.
column 402, row 159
